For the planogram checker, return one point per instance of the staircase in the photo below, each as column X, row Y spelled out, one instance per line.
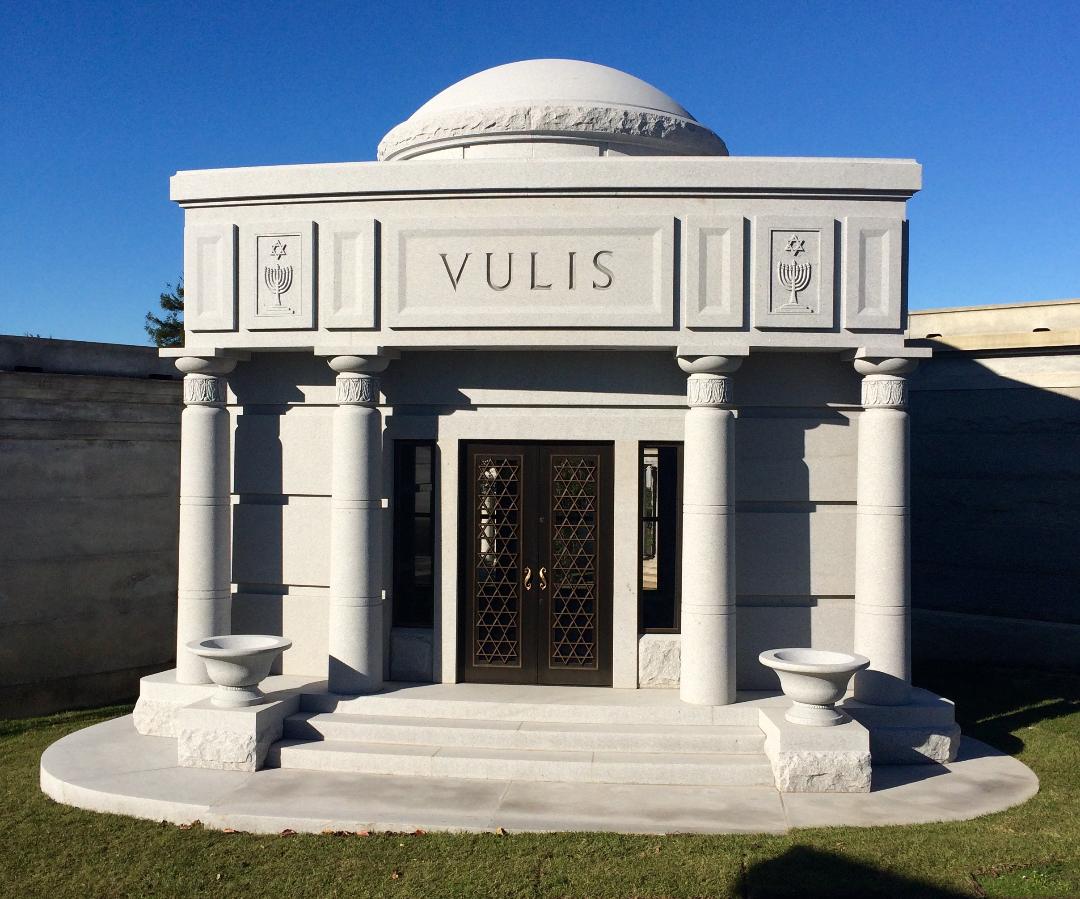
column 548, row 734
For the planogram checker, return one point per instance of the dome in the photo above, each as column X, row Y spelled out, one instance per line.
column 550, row 107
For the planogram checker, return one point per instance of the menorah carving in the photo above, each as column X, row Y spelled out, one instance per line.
column 794, row 276
column 278, row 280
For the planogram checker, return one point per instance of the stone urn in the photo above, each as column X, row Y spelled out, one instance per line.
column 238, row 663
column 815, row 680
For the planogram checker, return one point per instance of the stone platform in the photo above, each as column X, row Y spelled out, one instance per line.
column 111, row 768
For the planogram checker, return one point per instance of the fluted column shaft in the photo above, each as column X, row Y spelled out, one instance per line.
column 204, row 582
column 707, row 673
column 356, row 595
column 882, row 541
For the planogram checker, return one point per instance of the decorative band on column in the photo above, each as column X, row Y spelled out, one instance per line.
column 884, row 391
column 708, row 390
column 204, row 390
column 357, row 389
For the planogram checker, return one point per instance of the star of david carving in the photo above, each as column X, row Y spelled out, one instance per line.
column 795, row 245
column 278, row 249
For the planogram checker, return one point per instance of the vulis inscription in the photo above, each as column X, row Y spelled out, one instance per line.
column 279, row 261
column 502, row 270
column 531, row 272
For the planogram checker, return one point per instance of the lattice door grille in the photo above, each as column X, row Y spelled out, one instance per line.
column 497, row 562
column 574, row 561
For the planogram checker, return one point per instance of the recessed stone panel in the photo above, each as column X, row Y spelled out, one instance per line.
column 210, row 277
column 714, row 272
column 347, row 274
column 277, row 276
column 793, row 272
column 531, row 272
column 873, row 273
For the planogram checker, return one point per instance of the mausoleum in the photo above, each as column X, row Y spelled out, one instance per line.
column 533, row 435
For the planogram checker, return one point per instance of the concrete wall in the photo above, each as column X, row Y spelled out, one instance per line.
column 89, row 450
column 996, row 485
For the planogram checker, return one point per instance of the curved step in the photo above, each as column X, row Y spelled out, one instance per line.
column 500, row 702
column 540, row 735
column 702, row 769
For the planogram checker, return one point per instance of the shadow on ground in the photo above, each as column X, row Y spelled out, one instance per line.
column 803, row 871
column 1018, row 698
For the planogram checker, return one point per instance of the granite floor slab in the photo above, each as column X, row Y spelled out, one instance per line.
column 111, row 768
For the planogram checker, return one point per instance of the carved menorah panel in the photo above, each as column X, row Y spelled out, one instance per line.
column 794, row 280
column 279, row 262
column 795, row 260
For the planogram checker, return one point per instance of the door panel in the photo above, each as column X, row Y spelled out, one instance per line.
column 536, row 564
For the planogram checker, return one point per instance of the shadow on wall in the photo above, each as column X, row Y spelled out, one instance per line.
column 995, row 457
column 795, row 463
column 264, row 388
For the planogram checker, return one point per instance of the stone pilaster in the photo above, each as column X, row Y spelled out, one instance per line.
column 882, row 541
column 356, row 589
column 707, row 667
column 205, row 564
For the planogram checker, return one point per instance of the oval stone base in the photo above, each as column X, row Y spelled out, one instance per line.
column 111, row 768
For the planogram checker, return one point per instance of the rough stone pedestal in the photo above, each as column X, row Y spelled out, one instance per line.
column 236, row 739
column 924, row 731
column 816, row 759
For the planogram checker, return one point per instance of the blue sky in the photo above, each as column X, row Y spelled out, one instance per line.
column 102, row 102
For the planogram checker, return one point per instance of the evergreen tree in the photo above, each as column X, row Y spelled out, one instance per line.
column 168, row 331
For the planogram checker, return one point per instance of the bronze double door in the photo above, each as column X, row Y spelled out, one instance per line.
column 536, row 563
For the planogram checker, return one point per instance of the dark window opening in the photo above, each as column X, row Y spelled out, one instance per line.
column 414, row 533
column 660, row 537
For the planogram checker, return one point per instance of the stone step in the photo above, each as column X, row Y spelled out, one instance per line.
column 564, row 705
column 495, row 734
column 699, row 769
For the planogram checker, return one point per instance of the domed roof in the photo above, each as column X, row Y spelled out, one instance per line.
column 559, row 102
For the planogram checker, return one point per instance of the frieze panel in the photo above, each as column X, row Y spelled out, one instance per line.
column 210, row 277
column 793, row 273
column 277, row 276
column 715, row 276
column 530, row 271
column 873, row 287
column 347, row 274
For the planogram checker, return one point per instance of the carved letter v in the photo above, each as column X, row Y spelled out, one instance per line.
column 454, row 281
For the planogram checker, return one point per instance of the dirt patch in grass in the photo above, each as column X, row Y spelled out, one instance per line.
column 51, row 850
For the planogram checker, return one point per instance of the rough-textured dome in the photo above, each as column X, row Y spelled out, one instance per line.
column 550, row 107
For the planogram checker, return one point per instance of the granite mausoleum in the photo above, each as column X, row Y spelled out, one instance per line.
column 533, row 435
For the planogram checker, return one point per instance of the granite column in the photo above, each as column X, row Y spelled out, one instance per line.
column 204, row 583
column 356, row 594
column 882, row 540
column 707, row 673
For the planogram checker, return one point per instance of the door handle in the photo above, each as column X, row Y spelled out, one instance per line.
column 528, row 579
column 543, row 578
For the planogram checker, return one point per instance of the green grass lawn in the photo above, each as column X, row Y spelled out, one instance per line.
column 50, row 850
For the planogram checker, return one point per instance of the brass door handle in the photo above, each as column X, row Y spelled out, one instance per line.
column 543, row 578
column 528, row 578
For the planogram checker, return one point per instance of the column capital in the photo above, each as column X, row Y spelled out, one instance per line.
column 205, row 365
column 897, row 366
column 357, row 389
column 884, row 384
column 204, row 384
column 357, row 365
column 884, row 392
column 708, row 390
column 709, row 365
column 357, row 381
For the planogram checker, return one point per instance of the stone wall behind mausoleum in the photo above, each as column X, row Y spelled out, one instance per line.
column 89, row 474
